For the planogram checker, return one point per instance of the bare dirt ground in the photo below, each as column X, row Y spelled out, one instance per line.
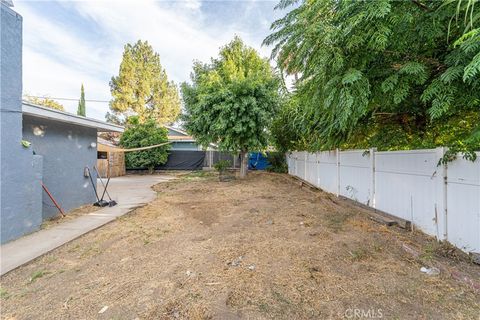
column 262, row 248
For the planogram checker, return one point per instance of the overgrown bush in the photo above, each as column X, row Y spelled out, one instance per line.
column 144, row 134
column 222, row 165
column 278, row 162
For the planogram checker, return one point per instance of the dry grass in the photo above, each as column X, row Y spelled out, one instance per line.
column 256, row 249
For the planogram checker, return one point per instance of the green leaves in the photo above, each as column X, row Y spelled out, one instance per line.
column 45, row 101
column 231, row 101
column 379, row 71
column 144, row 134
column 142, row 87
column 81, row 111
column 472, row 70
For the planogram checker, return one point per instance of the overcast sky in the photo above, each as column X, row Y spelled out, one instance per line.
column 66, row 43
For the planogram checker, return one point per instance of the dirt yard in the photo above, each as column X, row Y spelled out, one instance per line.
column 257, row 249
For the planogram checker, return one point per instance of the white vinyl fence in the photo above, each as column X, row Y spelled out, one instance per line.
column 441, row 200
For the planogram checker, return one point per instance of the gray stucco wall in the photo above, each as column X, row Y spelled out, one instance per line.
column 20, row 189
column 66, row 151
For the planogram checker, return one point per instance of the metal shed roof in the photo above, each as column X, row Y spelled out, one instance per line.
column 61, row 116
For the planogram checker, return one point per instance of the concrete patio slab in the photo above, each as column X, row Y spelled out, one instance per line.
column 129, row 191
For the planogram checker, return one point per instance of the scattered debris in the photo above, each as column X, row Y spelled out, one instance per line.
column 190, row 273
column 103, row 310
column 430, row 271
column 251, row 267
column 270, row 222
column 383, row 220
column 236, row 262
column 65, row 304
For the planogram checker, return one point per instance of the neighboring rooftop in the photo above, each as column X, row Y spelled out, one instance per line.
column 61, row 116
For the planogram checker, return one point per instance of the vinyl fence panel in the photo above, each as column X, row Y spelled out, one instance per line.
column 356, row 176
column 311, row 170
column 327, row 171
column 300, row 166
column 406, row 186
column 441, row 200
column 463, row 204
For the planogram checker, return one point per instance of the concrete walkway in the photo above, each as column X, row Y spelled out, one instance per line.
column 129, row 191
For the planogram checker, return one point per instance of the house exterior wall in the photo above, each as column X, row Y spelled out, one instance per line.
column 20, row 189
column 174, row 133
column 66, row 151
column 192, row 146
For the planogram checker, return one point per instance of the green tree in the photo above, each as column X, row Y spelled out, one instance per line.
column 144, row 134
column 231, row 101
column 142, row 87
column 111, row 117
column 81, row 111
column 45, row 101
column 397, row 73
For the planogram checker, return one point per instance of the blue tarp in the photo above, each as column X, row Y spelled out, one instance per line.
column 257, row 161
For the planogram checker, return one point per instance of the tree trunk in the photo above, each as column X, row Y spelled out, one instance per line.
column 243, row 164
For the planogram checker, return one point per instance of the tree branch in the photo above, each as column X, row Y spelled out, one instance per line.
column 421, row 5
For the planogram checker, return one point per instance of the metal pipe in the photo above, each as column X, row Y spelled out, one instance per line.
column 53, row 200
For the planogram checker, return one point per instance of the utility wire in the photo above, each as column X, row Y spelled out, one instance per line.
column 67, row 99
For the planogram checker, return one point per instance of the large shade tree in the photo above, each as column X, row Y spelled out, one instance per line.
column 231, row 100
column 392, row 74
column 142, row 87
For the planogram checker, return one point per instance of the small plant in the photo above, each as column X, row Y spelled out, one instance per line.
column 36, row 275
column 359, row 254
column 222, row 165
column 4, row 293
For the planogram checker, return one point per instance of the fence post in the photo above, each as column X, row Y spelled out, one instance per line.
column 337, row 151
column 305, row 154
column 372, row 179
column 441, row 211
column 295, row 160
column 317, row 158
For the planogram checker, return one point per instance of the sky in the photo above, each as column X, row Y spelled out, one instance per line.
column 67, row 43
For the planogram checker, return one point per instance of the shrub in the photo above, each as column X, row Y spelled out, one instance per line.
column 222, row 165
column 278, row 162
column 144, row 134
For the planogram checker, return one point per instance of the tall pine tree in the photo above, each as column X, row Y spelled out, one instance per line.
column 81, row 103
column 142, row 87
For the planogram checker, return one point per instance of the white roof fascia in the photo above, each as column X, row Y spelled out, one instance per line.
column 61, row 116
